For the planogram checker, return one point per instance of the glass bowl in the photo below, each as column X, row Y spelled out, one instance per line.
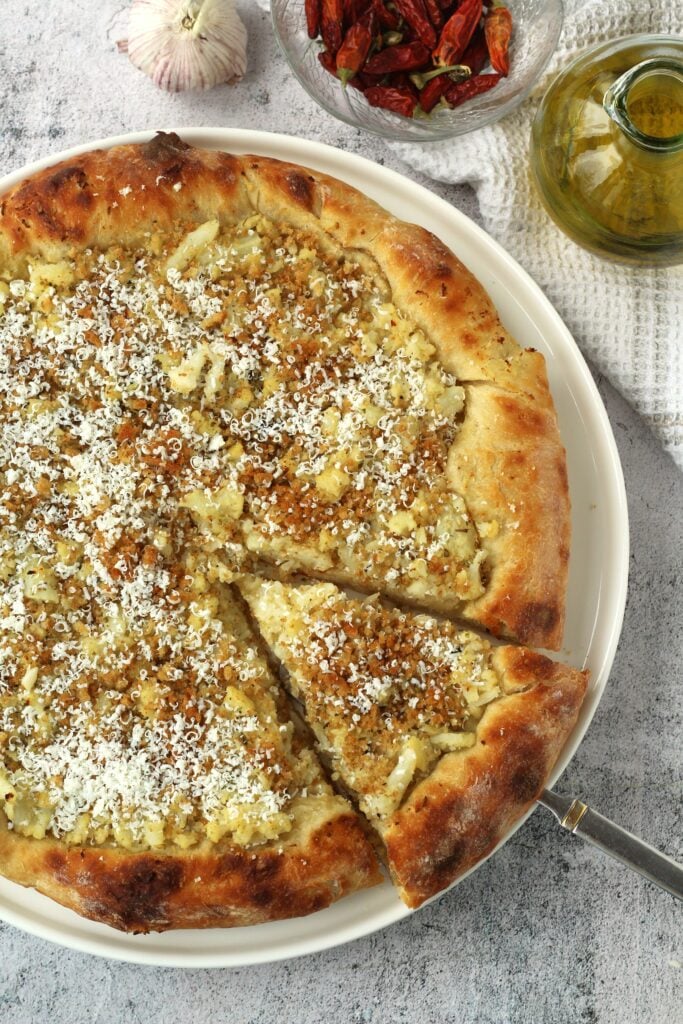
column 537, row 29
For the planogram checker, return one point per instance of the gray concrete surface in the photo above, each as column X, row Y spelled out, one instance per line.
column 549, row 930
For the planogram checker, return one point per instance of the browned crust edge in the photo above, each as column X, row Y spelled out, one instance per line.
column 459, row 813
column 109, row 196
column 157, row 891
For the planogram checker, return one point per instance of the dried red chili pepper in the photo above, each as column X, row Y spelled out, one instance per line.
column 434, row 13
column 359, row 81
column 312, row 17
column 476, row 56
column 463, row 91
column 400, row 100
column 331, row 20
column 362, row 82
column 407, row 57
column 401, row 80
column 353, row 11
column 353, row 52
column 457, row 32
column 498, row 31
column 433, row 91
column 385, row 17
column 415, row 14
column 328, row 62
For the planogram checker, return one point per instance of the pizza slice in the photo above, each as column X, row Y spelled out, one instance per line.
column 440, row 739
column 151, row 773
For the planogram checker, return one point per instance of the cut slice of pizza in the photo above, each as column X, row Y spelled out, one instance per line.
column 151, row 773
column 441, row 740
column 323, row 387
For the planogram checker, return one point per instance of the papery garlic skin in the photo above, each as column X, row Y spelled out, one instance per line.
column 187, row 44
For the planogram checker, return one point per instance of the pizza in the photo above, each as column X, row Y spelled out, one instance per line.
column 440, row 739
column 222, row 377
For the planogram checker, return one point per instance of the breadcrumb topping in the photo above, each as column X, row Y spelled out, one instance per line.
column 386, row 691
column 249, row 391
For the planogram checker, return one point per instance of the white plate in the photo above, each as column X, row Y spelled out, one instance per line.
column 598, row 576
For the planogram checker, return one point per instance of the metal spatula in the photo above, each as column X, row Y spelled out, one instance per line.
column 578, row 818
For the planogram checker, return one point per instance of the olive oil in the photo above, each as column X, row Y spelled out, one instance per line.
column 655, row 105
column 607, row 150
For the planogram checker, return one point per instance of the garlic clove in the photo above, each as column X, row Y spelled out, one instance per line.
column 187, row 44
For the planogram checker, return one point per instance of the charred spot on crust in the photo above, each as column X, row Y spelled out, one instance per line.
column 51, row 225
column 164, row 146
column 451, row 863
column 262, row 870
column 537, row 618
column 55, row 861
column 426, row 870
column 469, row 340
column 138, row 891
column 443, row 270
column 175, row 169
column 50, row 202
column 259, row 873
column 564, row 477
column 64, row 176
column 261, row 879
column 526, row 782
column 301, row 188
column 263, row 885
column 462, row 853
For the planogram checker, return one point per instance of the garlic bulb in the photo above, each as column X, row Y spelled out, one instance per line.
column 187, row 44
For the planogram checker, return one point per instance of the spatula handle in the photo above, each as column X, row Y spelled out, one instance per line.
column 578, row 818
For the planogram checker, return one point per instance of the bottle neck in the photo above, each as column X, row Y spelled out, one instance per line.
column 646, row 104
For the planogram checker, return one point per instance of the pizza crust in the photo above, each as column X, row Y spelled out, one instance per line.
column 467, row 805
column 116, row 196
column 425, row 277
column 326, row 857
